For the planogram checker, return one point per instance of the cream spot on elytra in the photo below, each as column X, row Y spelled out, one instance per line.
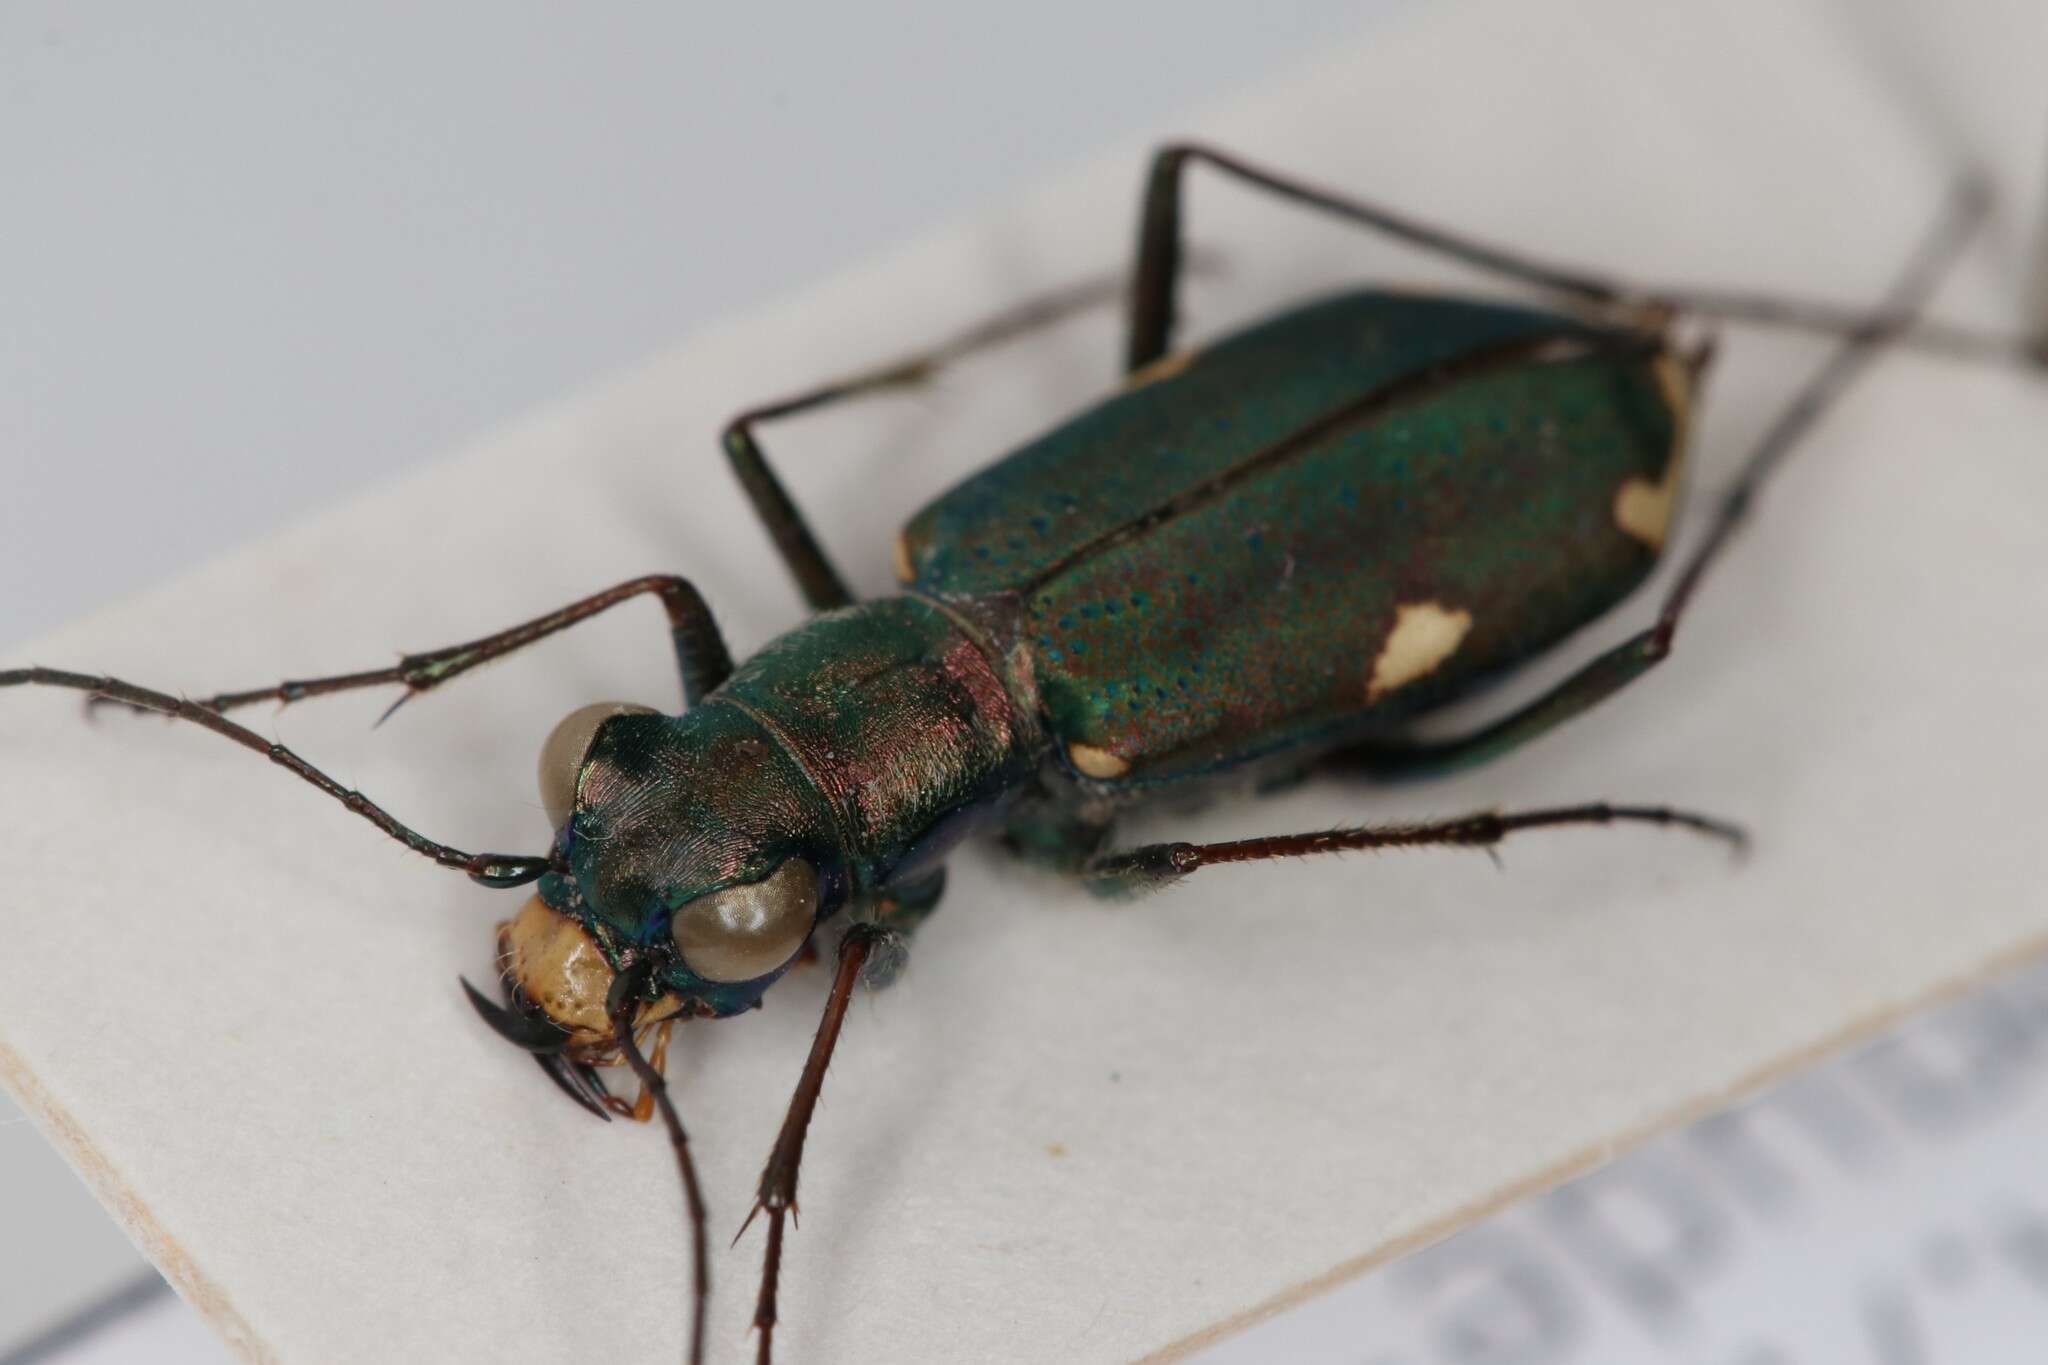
column 1166, row 367
column 1090, row 761
column 906, row 570
column 1643, row 509
column 1424, row 635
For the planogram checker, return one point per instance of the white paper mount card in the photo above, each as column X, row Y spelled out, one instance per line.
column 1887, row 1207
column 1072, row 1132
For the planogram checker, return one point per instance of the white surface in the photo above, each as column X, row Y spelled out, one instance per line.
column 1635, row 995
column 1888, row 1209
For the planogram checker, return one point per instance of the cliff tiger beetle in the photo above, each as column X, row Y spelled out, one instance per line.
column 1446, row 486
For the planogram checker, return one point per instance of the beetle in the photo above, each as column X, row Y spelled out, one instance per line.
column 1269, row 555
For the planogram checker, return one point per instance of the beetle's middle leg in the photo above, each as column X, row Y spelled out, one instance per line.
column 1056, row 833
column 823, row 587
column 1622, row 665
column 1151, row 866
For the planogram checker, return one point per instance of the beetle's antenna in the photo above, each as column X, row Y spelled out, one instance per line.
column 492, row 869
column 620, row 1006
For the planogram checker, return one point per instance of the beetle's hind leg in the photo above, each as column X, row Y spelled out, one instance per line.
column 823, row 587
column 1152, row 866
column 1157, row 273
column 700, row 651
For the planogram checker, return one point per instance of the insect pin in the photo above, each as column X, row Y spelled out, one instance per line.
column 1447, row 487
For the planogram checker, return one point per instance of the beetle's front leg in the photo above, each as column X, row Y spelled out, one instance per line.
column 895, row 911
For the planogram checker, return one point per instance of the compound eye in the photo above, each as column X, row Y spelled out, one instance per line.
column 747, row 931
column 561, row 757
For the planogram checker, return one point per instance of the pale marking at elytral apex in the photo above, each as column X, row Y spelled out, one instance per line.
column 1090, row 761
column 906, row 570
column 1424, row 635
column 1166, row 367
column 1643, row 509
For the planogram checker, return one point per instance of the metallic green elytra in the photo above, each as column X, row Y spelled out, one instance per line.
column 1262, row 557
column 1265, row 551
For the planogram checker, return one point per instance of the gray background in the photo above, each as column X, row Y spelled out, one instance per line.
column 258, row 256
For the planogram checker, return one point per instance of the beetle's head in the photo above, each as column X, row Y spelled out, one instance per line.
column 697, row 854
